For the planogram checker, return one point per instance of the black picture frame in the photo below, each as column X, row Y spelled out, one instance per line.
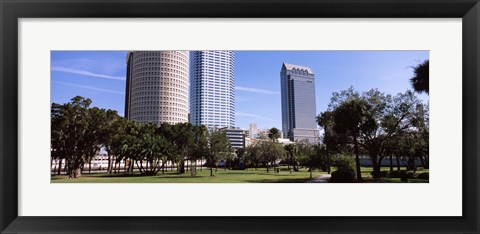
column 11, row 11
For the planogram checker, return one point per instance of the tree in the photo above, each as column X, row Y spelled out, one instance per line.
column 349, row 117
column 183, row 139
column 199, row 148
column 71, row 133
column 239, row 161
column 326, row 121
column 58, row 151
column 114, row 136
column 420, row 80
column 311, row 156
column 270, row 153
column 155, row 150
column 291, row 152
column 253, row 155
column 371, row 122
column 274, row 134
column 219, row 148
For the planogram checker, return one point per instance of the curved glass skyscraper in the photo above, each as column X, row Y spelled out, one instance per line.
column 157, row 86
column 212, row 88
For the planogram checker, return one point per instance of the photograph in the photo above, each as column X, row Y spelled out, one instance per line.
column 232, row 117
column 218, row 116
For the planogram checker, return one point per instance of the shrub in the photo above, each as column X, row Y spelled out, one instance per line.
column 411, row 175
column 403, row 175
column 343, row 176
column 423, row 176
column 345, row 172
column 344, row 163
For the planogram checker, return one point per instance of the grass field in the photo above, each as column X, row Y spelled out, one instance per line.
column 367, row 177
column 221, row 176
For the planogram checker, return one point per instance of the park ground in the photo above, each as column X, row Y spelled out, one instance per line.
column 260, row 175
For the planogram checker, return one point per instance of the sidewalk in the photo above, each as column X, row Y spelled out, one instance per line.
column 325, row 178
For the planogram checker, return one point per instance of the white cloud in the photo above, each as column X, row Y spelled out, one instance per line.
column 255, row 116
column 89, row 87
column 86, row 73
column 255, row 90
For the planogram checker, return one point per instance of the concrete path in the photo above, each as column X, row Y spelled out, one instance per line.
column 324, row 178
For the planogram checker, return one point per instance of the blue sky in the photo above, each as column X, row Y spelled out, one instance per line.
column 100, row 76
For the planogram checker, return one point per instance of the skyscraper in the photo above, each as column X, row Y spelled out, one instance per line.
column 212, row 93
column 157, row 86
column 298, row 103
column 253, row 130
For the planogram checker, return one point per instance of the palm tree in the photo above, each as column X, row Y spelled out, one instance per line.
column 292, row 151
column 325, row 121
column 420, row 81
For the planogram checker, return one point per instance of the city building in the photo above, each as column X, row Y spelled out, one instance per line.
column 235, row 136
column 212, row 93
column 157, row 86
column 298, row 103
column 251, row 141
column 253, row 130
column 263, row 133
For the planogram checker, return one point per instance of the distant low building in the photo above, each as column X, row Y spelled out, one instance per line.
column 263, row 133
column 251, row 141
column 236, row 136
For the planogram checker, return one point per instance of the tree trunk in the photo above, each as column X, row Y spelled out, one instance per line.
column 211, row 170
column 109, row 167
column 414, row 164
column 51, row 164
column 90, row 167
column 357, row 158
column 182, row 166
column 328, row 162
column 376, row 165
column 398, row 162
column 391, row 162
column 59, row 166
column 310, row 173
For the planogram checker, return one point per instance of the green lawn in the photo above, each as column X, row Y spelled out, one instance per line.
column 367, row 170
column 221, row 176
column 367, row 177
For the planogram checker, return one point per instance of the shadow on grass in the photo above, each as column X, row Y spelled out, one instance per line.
column 392, row 180
column 56, row 178
column 289, row 180
column 169, row 175
column 179, row 177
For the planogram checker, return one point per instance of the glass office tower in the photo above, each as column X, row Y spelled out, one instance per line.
column 298, row 103
column 212, row 89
